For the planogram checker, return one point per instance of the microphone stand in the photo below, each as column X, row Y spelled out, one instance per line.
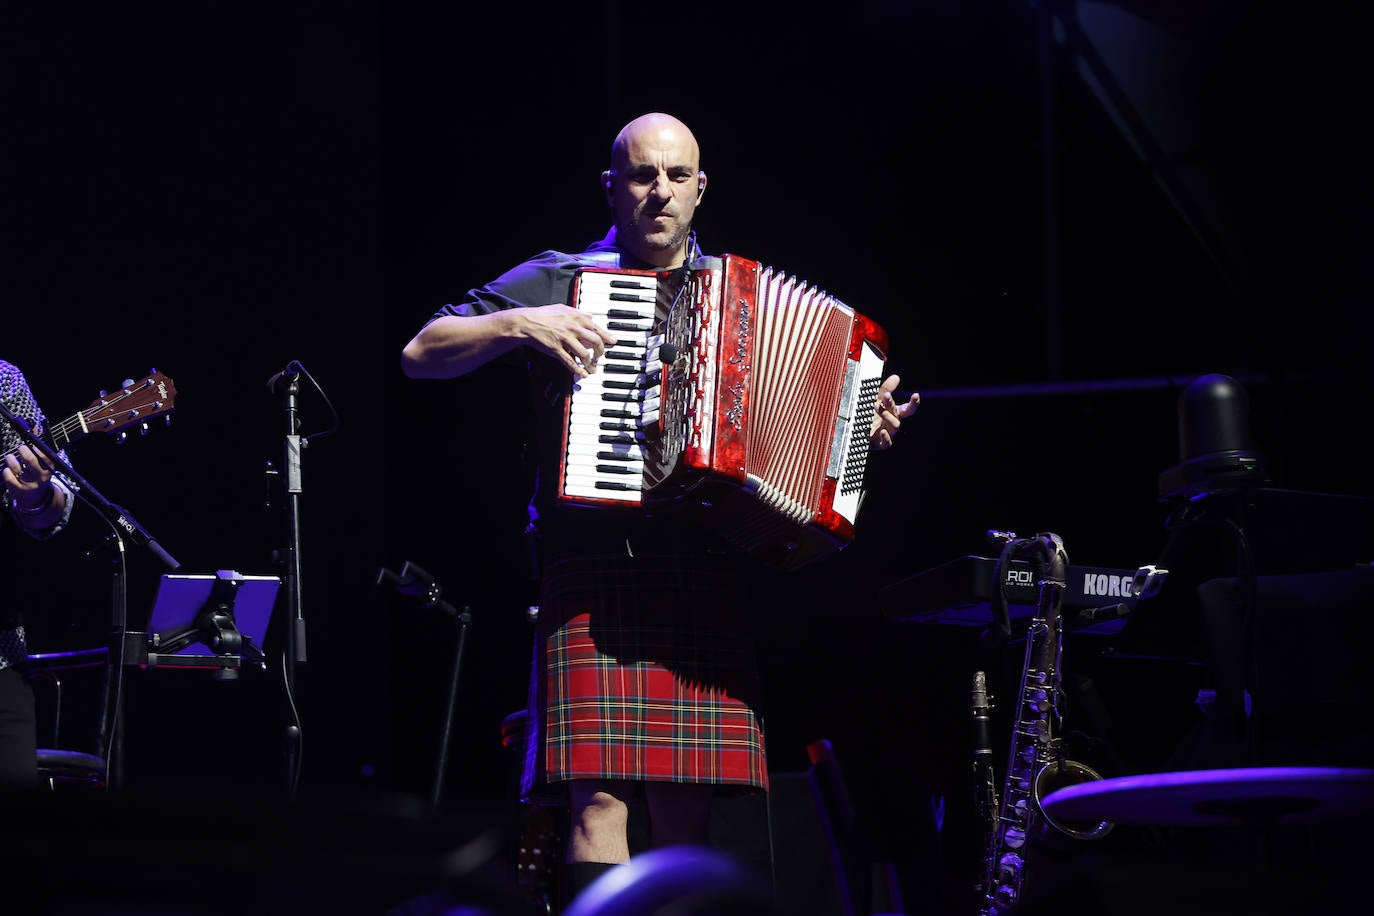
column 124, row 524
column 287, row 385
column 110, row 731
column 414, row 581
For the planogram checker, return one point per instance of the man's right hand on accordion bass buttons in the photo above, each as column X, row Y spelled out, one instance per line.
column 888, row 416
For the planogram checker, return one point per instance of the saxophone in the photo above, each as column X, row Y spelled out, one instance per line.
column 1035, row 762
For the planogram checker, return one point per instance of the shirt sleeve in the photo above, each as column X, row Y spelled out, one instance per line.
column 19, row 400
column 542, row 280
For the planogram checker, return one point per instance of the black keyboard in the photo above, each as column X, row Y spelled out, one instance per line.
column 961, row 590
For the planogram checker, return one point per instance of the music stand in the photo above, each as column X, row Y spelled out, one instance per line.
column 210, row 621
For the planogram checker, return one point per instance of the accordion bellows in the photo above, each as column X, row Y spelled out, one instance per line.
column 748, row 406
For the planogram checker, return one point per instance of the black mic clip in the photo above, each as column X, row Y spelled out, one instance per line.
column 414, row 582
column 285, row 380
column 110, row 542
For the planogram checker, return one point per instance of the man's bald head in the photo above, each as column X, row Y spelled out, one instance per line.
column 654, row 128
column 653, row 187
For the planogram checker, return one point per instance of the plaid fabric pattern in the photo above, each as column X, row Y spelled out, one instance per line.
column 645, row 670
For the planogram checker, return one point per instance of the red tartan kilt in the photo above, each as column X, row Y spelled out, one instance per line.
column 646, row 671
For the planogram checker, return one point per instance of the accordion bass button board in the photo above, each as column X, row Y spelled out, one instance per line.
column 747, row 405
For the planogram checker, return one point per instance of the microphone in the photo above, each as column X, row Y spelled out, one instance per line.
column 284, row 378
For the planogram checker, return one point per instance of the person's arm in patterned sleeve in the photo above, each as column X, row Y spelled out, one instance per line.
column 39, row 501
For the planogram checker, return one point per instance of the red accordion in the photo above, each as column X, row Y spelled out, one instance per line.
column 748, row 405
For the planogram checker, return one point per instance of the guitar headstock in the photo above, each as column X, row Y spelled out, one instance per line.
column 136, row 401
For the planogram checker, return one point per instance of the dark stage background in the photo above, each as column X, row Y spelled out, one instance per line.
column 1058, row 237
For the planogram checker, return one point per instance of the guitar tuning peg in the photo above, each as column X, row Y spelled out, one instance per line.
column 127, row 383
column 167, row 420
column 121, row 437
column 104, row 393
column 143, row 429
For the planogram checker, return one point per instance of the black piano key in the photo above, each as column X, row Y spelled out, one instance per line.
column 630, row 283
column 623, row 398
column 629, row 297
column 617, row 485
column 618, row 414
column 623, row 326
column 624, row 354
column 616, row 427
column 615, row 469
column 615, row 456
column 619, row 440
column 623, row 313
column 622, row 370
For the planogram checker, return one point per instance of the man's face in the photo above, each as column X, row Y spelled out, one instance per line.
column 654, row 192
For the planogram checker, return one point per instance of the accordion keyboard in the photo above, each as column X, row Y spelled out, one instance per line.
column 609, row 411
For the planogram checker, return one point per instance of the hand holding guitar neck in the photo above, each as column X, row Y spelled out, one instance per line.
column 133, row 404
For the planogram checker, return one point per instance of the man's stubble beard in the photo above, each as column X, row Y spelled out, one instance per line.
column 674, row 242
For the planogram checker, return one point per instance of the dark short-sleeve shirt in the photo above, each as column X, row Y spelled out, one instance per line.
column 545, row 279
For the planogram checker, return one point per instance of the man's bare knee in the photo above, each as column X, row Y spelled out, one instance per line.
column 599, row 824
column 601, row 808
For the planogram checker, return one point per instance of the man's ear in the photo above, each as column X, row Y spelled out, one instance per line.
column 701, row 185
column 607, row 185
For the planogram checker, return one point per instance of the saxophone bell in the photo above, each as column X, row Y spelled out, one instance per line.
column 1061, row 774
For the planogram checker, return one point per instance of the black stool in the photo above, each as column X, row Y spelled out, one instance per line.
column 68, row 767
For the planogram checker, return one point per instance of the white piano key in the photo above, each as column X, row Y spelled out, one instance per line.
column 612, row 489
column 574, row 476
column 591, row 459
column 590, row 490
column 611, row 381
column 598, row 406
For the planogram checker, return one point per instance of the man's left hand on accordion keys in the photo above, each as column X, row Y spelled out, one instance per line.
column 570, row 336
column 888, row 415
column 454, row 345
